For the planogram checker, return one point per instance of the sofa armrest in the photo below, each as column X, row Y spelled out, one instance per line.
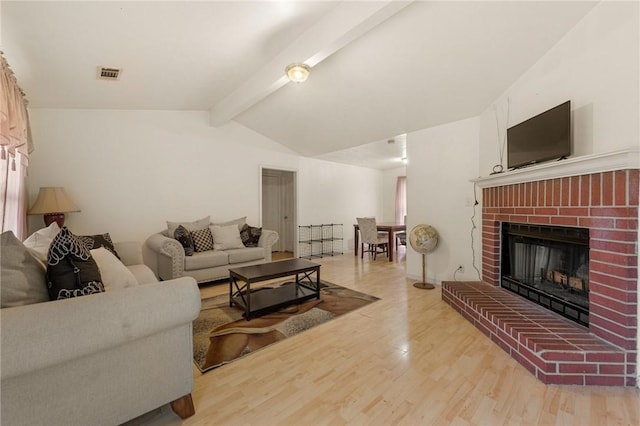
column 267, row 239
column 169, row 256
column 45, row 334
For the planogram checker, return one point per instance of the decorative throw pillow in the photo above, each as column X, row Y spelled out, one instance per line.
column 241, row 221
column 202, row 240
column 113, row 272
column 250, row 235
column 226, row 237
column 71, row 271
column 38, row 243
column 191, row 226
column 100, row 240
column 184, row 237
column 21, row 274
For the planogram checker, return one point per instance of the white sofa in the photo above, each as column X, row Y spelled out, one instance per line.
column 101, row 359
column 171, row 261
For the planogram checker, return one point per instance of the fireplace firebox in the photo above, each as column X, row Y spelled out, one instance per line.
column 548, row 265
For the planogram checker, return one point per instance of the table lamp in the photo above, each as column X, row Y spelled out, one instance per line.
column 53, row 203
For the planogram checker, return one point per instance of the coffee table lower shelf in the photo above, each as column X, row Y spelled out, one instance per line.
column 260, row 301
column 272, row 299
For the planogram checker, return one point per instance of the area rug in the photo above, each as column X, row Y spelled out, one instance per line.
column 222, row 335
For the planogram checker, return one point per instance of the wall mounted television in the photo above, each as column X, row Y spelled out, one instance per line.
column 547, row 136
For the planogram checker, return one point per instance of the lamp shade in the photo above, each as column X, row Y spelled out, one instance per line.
column 53, row 200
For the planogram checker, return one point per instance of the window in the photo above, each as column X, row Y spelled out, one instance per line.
column 401, row 199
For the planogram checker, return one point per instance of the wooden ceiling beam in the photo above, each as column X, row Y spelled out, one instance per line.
column 343, row 24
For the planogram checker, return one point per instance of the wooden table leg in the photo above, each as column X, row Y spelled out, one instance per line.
column 355, row 238
column 390, row 245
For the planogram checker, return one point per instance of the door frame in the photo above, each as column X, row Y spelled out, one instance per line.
column 294, row 200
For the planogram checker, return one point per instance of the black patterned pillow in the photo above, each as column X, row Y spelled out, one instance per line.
column 71, row 271
column 250, row 235
column 184, row 237
column 100, row 240
column 202, row 240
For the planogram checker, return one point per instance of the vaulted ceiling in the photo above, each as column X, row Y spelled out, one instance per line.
column 379, row 69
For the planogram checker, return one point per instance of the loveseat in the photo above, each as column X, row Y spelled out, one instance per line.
column 103, row 358
column 171, row 260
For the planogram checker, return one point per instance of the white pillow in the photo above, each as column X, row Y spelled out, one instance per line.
column 241, row 221
column 190, row 226
column 114, row 274
column 226, row 237
column 22, row 276
column 38, row 243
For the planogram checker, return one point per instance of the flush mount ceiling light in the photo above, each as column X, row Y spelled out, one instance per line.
column 297, row 72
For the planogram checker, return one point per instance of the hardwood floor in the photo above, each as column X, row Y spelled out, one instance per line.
column 280, row 255
column 407, row 359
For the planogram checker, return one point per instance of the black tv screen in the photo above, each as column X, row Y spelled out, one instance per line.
column 546, row 136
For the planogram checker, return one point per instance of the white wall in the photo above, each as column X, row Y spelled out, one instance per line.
column 442, row 160
column 130, row 171
column 596, row 66
column 389, row 182
column 338, row 193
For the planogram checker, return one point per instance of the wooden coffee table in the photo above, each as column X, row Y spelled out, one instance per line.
column 256, row 303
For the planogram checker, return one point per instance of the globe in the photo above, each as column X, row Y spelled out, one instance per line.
column 423, row 238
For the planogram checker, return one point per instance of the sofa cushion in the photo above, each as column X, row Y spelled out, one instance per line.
column 226, row 237
column 99, row 240
column 202, row 240
column 38, row 243
column 240, row 222
column 191, row 226
column 184, row 237
column 71, row 271
column 206, row 259
column 143, row 274
column 114, row 274
column 246, row 254
column 22, row 275
column 130, row 252
column 250, row 235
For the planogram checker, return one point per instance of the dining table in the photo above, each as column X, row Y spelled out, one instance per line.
column 390, row 227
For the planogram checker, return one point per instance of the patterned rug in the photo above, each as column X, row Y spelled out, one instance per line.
column 221, row 335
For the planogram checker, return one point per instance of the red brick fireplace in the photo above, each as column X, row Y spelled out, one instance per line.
column 605, row 202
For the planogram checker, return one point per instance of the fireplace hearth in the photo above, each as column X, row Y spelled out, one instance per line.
column 548, row 265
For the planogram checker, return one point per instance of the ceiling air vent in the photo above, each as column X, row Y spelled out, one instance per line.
column 105, row 73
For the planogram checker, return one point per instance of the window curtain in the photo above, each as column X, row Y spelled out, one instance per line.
column 15, row 147
column 401, row 199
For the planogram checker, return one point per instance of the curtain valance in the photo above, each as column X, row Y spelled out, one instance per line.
column 15, row 146
column 15, row 132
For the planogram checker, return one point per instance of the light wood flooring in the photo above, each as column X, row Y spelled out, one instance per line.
column 280, row 255
column 407, row 359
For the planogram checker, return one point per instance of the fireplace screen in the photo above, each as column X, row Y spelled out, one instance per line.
column 548, row 265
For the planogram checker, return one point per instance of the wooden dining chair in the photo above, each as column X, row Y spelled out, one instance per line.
column 369, row 235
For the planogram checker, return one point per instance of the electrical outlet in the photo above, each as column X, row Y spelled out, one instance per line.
column 460, row 268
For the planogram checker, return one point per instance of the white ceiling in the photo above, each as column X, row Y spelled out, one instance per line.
column 379, row 69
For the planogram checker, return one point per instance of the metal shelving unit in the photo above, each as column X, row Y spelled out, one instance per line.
column 320, row 240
